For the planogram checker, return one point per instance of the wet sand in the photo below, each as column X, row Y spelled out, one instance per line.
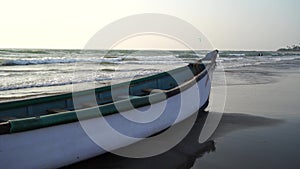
column 258, row 142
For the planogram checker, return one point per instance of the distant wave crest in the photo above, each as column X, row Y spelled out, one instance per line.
column 8, row 62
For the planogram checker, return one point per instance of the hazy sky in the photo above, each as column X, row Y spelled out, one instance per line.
column 228, row 24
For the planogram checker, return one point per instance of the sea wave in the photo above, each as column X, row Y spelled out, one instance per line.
column 72, row 81
column 24, row 51
column 50, row 84
column 8, row 62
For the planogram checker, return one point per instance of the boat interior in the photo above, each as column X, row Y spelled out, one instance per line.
column 41, row 106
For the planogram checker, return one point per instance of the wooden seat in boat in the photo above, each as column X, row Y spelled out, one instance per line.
column 53, row 111
column 124, row 97
column 153, row 90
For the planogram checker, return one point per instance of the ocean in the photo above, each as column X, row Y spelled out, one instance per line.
column 34, row 72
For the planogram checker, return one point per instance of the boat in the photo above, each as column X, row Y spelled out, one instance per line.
column 48, row 132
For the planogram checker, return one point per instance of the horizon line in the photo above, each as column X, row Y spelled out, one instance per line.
column 145, row 49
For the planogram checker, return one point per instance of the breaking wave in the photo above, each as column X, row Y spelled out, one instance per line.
column 8, row 62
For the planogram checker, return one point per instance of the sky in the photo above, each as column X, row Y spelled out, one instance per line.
column 228, row 24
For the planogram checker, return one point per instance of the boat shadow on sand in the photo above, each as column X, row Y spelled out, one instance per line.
column 184, row 154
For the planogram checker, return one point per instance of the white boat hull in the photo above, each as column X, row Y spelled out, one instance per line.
column 61, row 145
